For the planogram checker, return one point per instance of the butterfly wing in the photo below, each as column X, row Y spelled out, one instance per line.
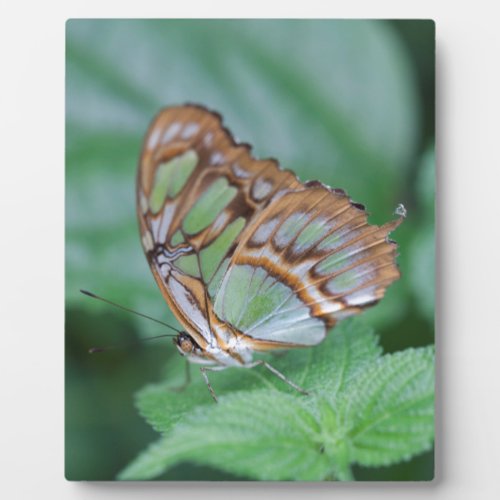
column 236, row 241
column 308, row 260
column 197, row 191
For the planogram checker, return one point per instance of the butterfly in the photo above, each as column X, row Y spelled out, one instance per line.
column 248, row 258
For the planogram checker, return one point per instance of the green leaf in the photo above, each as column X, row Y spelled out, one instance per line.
column 390, row 408
column 263, row 434
column 162, row 404
column 329, row 367
column 363, row 408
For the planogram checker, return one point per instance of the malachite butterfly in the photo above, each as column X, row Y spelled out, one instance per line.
column 249, row 258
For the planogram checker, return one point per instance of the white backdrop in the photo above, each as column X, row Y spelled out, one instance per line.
column 32, row 244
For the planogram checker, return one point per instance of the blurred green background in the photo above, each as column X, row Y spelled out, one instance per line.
column 348, row 102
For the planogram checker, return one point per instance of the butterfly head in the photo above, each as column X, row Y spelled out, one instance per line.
column 189, row 348
column 185, row 344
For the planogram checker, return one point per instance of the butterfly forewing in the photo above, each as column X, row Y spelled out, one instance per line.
column 196, row 192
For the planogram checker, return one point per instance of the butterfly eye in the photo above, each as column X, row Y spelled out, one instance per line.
column 185, row 344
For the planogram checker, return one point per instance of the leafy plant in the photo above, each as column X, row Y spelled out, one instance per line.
column 364, row 408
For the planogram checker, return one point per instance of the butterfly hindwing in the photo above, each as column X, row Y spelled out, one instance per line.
column 309, row 259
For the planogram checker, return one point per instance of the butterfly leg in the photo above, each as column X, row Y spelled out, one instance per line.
column 280, row 376
column 204, row 371
column 186, row 382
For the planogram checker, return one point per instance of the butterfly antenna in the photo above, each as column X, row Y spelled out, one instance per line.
column 93, row 350
column 94, row 296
